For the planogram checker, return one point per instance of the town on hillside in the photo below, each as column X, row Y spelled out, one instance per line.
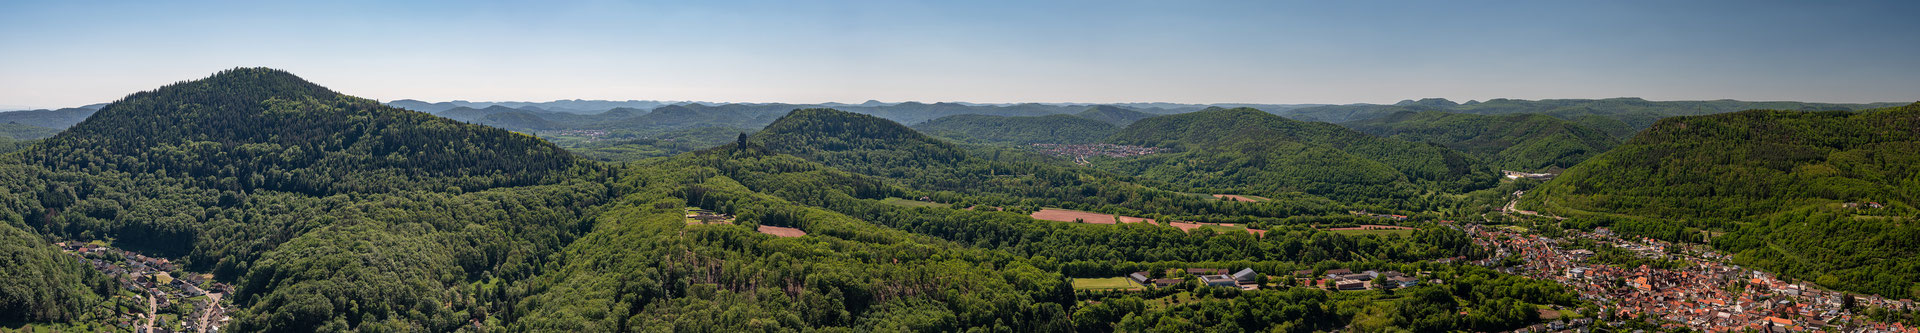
column 162, row 297
column 1705, row 294
column 1080, row 152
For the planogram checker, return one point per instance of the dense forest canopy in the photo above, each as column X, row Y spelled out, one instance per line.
column 1249, row 151
column 1512, row 142
column 246, row 129
column 1793, row 191
column 1068, row 129
column 25, row 132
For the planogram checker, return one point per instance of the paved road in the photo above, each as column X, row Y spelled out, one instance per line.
column 153, row 309
column 1511, row 208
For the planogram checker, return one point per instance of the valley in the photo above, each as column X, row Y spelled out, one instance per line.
column 253, row 200
column 839, row 166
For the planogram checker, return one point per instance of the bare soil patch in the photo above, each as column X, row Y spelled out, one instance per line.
column 1185, row 226
column 781, row 231
column 1062, row 215
column 1240, row 198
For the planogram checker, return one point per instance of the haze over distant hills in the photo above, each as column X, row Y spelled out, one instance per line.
column 1617, row 116
column 327, row 210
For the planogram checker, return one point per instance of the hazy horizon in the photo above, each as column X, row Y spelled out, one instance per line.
column 64, row 54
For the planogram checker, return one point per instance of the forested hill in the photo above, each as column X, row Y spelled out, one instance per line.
column 327, row 212
column 1252, row 151
column 261, row 128
column 1794, row 191
column 1114, row 115
column 852, row 140
column 1018, row 130
column 1515, row 141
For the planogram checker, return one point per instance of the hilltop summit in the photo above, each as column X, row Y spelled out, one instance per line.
column 262, row 128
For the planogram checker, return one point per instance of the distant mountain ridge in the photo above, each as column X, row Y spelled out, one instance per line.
column 587, row 114
column 55, row 119
column 1620, row 117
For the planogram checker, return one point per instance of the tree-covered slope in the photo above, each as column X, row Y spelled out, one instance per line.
column 1791, row 190
column 26, row 132
column 1251, row 151
column 40, row 284
column 1018, row 130
column 1114, row 115
column 260, row 128
column 328, row 212
column 56, row 119
column 1514, row 142
column 866, row 143
column 645, row 268
column 872, row 146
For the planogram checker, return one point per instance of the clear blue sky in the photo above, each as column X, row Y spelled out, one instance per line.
column 66, row 53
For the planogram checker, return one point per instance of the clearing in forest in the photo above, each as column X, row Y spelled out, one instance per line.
column 781, row 231
column 1112, row 283
column 1217, row 227
column 1241, row 198
column 1062, row 215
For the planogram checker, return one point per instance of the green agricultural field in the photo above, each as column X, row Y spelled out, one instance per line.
column 1105, row 284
